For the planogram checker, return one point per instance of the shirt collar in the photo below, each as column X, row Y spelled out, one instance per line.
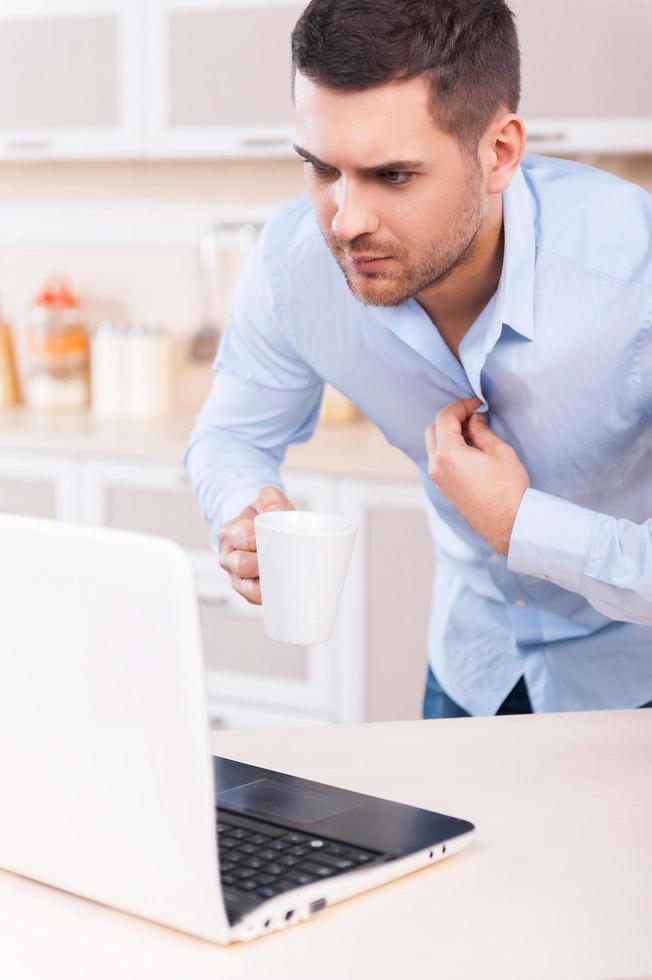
column 516, row 287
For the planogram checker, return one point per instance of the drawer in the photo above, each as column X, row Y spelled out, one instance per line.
column 172, row 513
column 238, row 644
column 28, row 497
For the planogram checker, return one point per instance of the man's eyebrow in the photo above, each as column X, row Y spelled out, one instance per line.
column 379, row 168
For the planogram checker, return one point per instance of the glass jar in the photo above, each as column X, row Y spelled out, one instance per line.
column 58, row 377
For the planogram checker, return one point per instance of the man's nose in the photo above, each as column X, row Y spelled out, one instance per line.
column 354, row 214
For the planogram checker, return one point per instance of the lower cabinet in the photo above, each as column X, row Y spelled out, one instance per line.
column 373, row 668
column 38, row 486
column 387, row 605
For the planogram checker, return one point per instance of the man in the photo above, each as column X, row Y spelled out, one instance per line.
column 432, row 273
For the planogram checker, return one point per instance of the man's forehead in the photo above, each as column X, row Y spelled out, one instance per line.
column 366, row 128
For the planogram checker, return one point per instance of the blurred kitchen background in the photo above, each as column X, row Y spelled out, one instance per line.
column 142, row 145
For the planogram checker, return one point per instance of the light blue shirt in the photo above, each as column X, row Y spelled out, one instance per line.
column 562, row 357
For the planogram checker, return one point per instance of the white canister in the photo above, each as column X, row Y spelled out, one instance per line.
column 149, row 365
column 108, row 368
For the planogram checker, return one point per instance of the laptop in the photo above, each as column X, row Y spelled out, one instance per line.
column 109, row 789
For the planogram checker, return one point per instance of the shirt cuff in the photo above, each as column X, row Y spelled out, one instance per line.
column 551, row 539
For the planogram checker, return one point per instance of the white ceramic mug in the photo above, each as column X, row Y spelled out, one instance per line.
column 303, row 559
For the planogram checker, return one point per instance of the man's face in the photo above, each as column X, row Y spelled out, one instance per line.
column 387, row 183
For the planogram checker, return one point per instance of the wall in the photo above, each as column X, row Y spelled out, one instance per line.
column 155, row 283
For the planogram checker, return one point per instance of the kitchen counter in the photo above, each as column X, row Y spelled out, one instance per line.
column 356, row 449
column 556, row 885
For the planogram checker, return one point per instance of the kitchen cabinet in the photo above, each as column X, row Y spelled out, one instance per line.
column 107, row 79
column 586, row 74
column 38, row 486
column 219, row 79
column 373, row 667
column 387, row 601
column 70, row 79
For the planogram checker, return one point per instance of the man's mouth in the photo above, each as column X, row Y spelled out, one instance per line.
column 367, row 263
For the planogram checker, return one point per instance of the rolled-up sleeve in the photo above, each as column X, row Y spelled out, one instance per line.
column 605, row 559
column 264, row 396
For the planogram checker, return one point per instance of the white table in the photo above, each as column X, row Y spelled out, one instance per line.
column 558, row 882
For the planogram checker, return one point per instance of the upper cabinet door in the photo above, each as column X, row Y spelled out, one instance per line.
column 587, row 78
column 220, row 77
column 70, row 78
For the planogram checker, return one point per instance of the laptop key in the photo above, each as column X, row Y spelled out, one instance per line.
column 299, row 851
column 268, row 892
column 248, row 849
column 301, row 877
column 249, row 824
column 260, row 839
column 342, row 864
column 228, row 842
column 228, row 879
column 246, row 886
column 254, row 862
column 320, row 870
column 295, row 838
column 316, row 844
column 288, row 860
column 266, row 879
column 280, row 845
column 275, row 869
column 244, row 873
column 361, row 857
column 267, row 854
column 239, row 834
column 285, row 884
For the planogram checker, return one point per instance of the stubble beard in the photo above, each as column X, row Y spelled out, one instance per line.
column 407, row 275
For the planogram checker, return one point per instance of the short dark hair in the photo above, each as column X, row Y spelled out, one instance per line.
column 467, row 48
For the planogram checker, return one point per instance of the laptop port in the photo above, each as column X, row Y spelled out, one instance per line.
column 289, row 915
column 317, row 906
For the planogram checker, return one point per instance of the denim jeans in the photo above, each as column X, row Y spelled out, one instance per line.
column 437, row 704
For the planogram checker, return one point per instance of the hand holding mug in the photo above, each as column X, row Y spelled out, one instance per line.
column 237, row 539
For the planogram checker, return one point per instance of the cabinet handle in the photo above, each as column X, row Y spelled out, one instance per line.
column 265, row 141
column 546, row 137
column 32, row 145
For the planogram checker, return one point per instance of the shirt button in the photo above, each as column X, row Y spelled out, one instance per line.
column 520, row 603
column 493, row 560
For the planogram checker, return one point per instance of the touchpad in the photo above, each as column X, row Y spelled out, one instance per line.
column 271, row 798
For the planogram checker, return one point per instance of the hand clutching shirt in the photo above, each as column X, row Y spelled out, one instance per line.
column 605, row 559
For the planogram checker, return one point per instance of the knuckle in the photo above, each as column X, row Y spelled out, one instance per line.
column 437, row 467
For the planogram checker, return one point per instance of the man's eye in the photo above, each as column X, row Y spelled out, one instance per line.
column 322, row 171
column 396, row 176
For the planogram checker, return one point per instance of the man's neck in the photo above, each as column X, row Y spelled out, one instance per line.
column 454, row 304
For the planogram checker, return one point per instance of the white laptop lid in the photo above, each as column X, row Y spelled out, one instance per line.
column 106, row 779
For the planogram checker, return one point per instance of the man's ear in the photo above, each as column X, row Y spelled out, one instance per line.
column 501, row 150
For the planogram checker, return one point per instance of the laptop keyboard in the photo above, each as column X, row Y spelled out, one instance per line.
column 264, row 859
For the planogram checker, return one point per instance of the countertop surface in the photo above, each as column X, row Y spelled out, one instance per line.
column 356, row 449
column 557, row 884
